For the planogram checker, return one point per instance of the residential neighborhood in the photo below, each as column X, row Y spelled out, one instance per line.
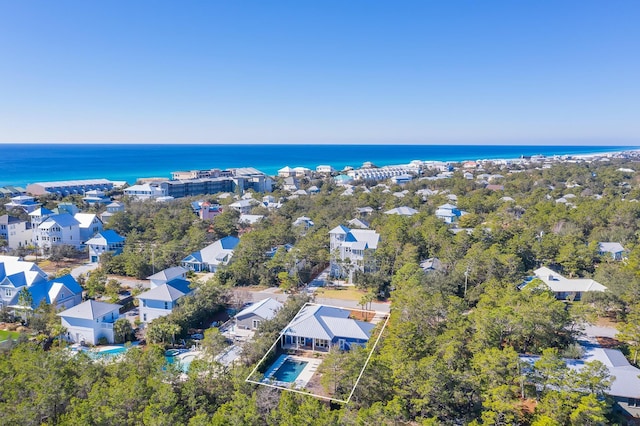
column 297, row 284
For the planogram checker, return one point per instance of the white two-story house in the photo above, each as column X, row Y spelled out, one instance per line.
column 58, row 229
column 352, row 250
column 89, row 223
column 167, row 287
column 90, row 321
column 16, row 275
column 103, row 242
column 15, row 231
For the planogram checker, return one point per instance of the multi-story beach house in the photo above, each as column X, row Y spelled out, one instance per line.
column 15, row 231
column 352, row 250
column 145, row 191
column 58, row 229
column 90, row 321
column 112, row 208
column 167, row 287
column 16, row 275
column 89, row 224
column 108, row 241
column 23, row 202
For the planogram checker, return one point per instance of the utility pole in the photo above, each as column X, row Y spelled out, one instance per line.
column 466, row 280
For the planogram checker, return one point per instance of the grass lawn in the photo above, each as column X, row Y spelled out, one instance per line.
column 342, row 294
column 4, row 335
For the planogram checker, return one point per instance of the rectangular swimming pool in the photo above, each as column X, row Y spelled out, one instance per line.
column 289, row 370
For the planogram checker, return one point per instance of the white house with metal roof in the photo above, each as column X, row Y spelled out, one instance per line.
column 90, row 321
column 103, row 242
column 402, row 211
column 166, row 287
column 17, row 232
column 167, row 275
column 16, row 274
column 615, row 250
column 89, row 224
column 58, row 229
column 251, row 317
column 212, row 256
column 351, row 250
column 319, row 327
column 625, row 385
column 448, row 212
column 160, row 300
column 565, row 288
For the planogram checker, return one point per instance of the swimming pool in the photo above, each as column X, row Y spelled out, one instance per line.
column 289, row 371
column 184, row 361
column 106, row 353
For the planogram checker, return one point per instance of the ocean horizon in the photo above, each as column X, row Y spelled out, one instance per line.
column 22, row 164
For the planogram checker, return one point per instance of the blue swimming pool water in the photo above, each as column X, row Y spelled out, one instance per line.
column 185, row 361
column 108, row 353
column 289, row 371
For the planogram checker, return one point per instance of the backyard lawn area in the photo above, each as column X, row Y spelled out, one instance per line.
column 349, row 293
column 4, row 335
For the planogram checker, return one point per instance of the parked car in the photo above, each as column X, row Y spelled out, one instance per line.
column 197, row 336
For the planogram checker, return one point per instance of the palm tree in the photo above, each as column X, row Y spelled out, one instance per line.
column 25, row 300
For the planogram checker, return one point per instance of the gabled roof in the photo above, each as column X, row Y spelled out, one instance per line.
column 244, row 203
column 325, row 322
column 168, row 274
column 62, row 219
column 51, row 290
column 432, row 264
column 85, row 219
column 214, row 253
column 105, row 238
column 447, row 207
column 559, row 284
column 265, row 309
column 403, row 211
column 91, row 310
column 368, row 236
column 340, row 229
column 359, row 223
column 250, row 218
column 42, row 211
column 166, row 292
column 610, row 247
column 16, row 272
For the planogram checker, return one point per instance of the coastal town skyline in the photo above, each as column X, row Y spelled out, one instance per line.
column 332, row 73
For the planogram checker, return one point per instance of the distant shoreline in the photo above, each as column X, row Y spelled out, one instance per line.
column 22, row 164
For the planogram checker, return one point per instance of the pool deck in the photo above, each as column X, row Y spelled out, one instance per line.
column 303, row 378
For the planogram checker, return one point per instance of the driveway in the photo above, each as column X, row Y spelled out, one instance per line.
column 83, row 269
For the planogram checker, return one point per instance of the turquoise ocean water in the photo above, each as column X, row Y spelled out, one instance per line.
column 21, row 164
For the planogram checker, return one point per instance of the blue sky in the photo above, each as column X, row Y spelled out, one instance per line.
column 551, row 72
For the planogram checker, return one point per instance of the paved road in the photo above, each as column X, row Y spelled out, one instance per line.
column 83, row 269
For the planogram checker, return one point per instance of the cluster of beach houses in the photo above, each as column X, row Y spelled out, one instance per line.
column 65, row 225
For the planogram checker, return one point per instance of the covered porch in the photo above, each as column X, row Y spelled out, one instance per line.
column 304, row 343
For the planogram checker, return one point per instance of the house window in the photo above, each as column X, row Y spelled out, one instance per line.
column 633, row 402
column 255, row 323
column 8, row 292
column 166, row 305
column 321, row 343
column 144, row 317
